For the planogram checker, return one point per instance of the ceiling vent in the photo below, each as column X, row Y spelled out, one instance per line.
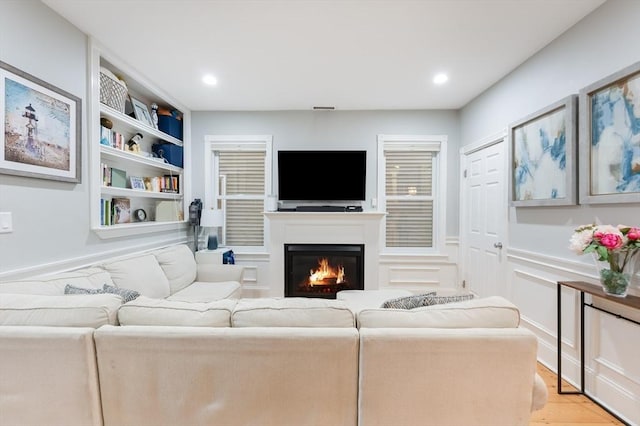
column 324, row 108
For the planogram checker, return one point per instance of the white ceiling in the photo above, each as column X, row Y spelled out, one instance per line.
column 350, row 54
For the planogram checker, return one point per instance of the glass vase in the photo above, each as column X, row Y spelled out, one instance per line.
column 617, row 273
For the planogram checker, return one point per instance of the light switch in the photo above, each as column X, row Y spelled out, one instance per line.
column 6, row 223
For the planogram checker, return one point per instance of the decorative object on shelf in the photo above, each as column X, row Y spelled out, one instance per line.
column 113, row 91
column 141, row 112
column 154, row 114
column 31, row 149
column 609, row 135
column 542, row 156
column 137, row 183
column 140, row 215
column 121, row 210
column 212, row 218
column 105, row 122
column 170, row 152
column 133, row 144
column 616, row 251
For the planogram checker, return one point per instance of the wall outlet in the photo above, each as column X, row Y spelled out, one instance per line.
column 6, row 223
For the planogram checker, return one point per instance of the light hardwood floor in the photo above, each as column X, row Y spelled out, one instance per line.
column 568, row 410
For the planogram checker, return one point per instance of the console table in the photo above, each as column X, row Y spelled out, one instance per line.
column 593, row 290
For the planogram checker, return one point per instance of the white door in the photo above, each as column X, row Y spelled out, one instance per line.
column 483, row 218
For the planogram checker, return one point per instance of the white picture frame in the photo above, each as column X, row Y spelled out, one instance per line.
column 137, row 183
column 141, row 112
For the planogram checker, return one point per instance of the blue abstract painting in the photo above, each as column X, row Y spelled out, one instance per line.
column 615, row 138
column 540, row 158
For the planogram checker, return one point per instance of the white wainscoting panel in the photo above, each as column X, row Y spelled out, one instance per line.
column 612, row 345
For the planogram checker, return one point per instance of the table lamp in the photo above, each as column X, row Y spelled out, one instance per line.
column 212, row 219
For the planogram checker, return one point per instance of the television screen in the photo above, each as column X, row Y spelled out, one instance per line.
column 322, row 175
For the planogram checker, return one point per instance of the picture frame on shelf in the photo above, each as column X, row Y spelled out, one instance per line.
column 121, row 210
column 610, row 138
column 29, row 148
column 137, row 183
column 141, row 112
column 542, row 156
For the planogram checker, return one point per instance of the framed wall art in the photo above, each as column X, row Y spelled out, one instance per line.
column 610, row 139
column 41, row 128
column 542, row 156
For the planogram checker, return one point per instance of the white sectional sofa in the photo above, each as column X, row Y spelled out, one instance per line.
column 268, row 361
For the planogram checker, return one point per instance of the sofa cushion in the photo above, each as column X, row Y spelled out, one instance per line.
column 140, row 273
column 207, row 292
column 147, row 311
column 292, row 312
column 90, row 310
column 408, row 302
column 488, row 312
column 178, row 264
column 54, row 284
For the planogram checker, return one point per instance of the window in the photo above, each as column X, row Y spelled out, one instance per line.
column 237, row 181
column 411, row 186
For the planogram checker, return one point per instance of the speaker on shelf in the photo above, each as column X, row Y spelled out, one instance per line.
column 212, row 242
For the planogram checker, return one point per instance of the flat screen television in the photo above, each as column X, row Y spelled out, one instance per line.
column 322, row 175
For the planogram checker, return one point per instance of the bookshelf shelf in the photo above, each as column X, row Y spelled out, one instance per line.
column 112, row 162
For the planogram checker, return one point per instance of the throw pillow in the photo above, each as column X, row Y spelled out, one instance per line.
column 408, row 302
column 126, row 294
column 439, row 300
column 70, row 289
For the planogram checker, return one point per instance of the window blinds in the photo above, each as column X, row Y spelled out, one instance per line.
column 409, row 194
column 241, row 177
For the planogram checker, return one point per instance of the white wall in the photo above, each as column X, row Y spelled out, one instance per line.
column 333, row 130
column 604, row 42
column 51, row 219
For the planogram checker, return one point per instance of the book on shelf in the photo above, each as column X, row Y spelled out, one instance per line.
column 112, row 138
column 105, row 211
column 113, row 177
column 121, row 210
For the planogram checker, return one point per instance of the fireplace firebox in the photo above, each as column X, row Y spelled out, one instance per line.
column 322, row 270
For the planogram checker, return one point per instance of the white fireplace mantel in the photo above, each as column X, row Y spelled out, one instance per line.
column 322, row 228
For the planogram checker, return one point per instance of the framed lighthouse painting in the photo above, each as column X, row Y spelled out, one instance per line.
column 41, row 128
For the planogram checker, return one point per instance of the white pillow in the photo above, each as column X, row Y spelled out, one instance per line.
column 292, row 312
column 142, row 274
column 147, row 311
column 84, row 310
column 488, row 312
column 178, row 264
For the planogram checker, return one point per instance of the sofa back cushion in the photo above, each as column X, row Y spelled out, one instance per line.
column 140, row 273
column 147, row 311
column 488, row 312
column 54, row 284
column 178, row 264
column 292, row 312
column 86, row 310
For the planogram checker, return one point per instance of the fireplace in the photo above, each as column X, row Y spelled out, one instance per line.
column 322, row 270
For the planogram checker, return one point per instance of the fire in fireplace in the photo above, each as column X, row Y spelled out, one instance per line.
column 322, row 270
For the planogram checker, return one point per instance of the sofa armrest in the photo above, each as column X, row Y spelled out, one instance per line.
column 218, row 273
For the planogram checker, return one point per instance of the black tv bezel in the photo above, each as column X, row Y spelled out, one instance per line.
column 362, row 191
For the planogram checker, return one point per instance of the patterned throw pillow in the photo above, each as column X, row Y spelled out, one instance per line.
column 70, row 289
column 439, row 300
column 408, row 302
column 126, row 294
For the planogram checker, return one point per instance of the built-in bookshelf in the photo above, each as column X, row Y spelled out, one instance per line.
column 133, row 190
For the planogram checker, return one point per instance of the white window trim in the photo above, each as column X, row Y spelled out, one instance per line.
column 236, row 143
column 440, row 194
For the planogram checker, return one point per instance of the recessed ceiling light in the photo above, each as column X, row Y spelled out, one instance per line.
column 440, row 78
column 209, row 80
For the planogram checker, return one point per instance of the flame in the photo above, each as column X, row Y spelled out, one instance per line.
column 325, row 274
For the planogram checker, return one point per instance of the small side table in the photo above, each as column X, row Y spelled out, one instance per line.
column 593, row 290
column 211, row 256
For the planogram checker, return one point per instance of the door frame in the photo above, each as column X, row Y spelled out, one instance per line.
column 465, row 151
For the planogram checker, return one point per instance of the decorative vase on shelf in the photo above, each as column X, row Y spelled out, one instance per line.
column 618, row 271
